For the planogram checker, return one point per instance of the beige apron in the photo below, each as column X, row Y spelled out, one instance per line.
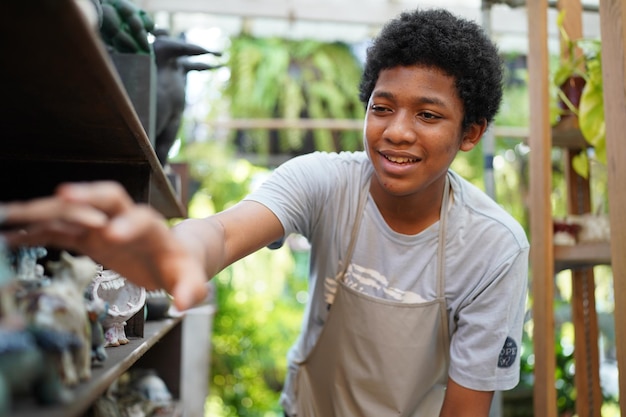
column 376, row 357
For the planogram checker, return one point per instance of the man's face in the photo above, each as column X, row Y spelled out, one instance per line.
column 413, row 130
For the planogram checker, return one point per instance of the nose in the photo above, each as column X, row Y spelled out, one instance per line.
column 401, row 128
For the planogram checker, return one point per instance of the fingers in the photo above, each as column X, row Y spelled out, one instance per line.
column 107, row 196
column 100, row 220
column 50, row 209
column 60, row 220
column 55, row 233
column 139, row 221
column 189, row 293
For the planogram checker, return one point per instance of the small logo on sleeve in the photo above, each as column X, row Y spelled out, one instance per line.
column 508, row 354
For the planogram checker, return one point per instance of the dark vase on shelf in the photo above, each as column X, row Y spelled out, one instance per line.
column 572, row 89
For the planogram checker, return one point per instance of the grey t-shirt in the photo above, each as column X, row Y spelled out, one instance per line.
column 486, row 264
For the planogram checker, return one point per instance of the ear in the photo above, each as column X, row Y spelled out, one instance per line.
column 472, row 135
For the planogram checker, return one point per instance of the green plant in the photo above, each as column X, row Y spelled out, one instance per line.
column 582, row 68
column 287, row 79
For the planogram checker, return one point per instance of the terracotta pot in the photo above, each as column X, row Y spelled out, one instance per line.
column 572, row 88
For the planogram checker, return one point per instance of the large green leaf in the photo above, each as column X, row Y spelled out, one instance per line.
column 580, row 163
column 591, row 110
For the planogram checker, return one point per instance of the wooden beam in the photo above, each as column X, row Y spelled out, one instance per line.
column 331, row 124
column 613, row 34
column 584, row 316
column 541, row 238
column 322, row 11
column 275, row 123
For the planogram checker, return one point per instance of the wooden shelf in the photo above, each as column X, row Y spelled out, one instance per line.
column 567, row 135
column 66, row 116
column 582, row 255
column 64, row 106
column 119, row 360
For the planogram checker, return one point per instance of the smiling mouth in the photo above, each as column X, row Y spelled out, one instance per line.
column 401, row 159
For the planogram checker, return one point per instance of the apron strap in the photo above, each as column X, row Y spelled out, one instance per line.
column 355, row 230
column 441, row 248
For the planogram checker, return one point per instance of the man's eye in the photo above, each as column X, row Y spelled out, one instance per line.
column 428, row 116
column 378, row 108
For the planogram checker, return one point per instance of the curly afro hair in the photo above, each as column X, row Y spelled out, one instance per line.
column 437, row 38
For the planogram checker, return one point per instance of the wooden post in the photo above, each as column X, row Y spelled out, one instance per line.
column 584, row 316
column 613, row 20
column 541, row 235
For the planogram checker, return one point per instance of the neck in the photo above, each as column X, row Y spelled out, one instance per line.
column 409, row 214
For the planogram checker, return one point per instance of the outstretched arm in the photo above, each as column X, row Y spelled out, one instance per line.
column 101, row 221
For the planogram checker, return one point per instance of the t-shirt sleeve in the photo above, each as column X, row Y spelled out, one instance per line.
column 486, row 344
column 296, row 190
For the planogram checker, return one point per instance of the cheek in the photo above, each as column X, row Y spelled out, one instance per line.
column 452, row 149
column 370, row 134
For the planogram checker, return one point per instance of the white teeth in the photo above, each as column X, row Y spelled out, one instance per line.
column 400, row 160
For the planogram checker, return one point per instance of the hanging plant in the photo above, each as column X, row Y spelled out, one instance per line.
column 286, row 79
column 586, row 101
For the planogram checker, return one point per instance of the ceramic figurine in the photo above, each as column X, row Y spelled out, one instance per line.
column 152, row 388
column 25, row 371
column 23, row 368
column 27, row 268
column 143, row 391
column 96, row 312
column 124, row 300
column 173, row 64
column 57, row 315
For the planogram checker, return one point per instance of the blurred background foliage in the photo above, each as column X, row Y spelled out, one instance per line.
column 288, row 79
column 260, row 299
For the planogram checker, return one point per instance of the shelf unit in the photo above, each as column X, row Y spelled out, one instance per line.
column 582, row 255
column 580, row 259
column 65, row 116
column 545, row 257
column 158, row 335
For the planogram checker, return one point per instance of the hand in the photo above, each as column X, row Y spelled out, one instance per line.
column 101, row 221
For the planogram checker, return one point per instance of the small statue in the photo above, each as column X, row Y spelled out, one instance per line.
column 97, row 311
column 143, row 390
column 23, row 368
column 57, row 316
column 24, row 371
column 171, row 55
column 27, row 268
column 123, row 298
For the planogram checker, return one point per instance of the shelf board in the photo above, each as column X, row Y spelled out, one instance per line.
column 63, row 99
column 120, row 359
column 582, row 255
column 566, row 134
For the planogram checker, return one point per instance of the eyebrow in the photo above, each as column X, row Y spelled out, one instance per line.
column 417, row 101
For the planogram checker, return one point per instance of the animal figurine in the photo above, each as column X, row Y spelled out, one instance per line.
column 123, row 299
column 23, row 368
column 25, row 371
column 171, row 57
column 57, row 316
column 27, row 267
column 143, row 392
column 97, row 310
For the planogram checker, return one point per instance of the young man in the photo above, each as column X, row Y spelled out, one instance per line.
column 417, row 279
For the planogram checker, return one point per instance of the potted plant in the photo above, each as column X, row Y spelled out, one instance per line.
column 578, row 84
